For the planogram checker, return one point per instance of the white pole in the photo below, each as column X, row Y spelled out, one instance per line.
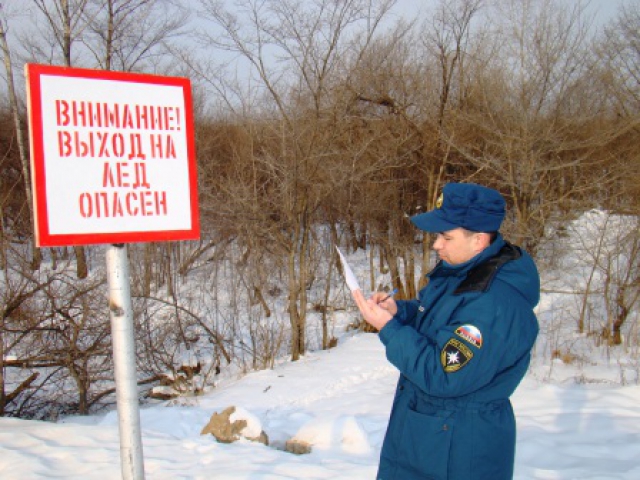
column 124, row 360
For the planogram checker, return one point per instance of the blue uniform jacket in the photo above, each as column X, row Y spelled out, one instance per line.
column 462, row 349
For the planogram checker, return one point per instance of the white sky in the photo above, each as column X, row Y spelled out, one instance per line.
column 603, row 9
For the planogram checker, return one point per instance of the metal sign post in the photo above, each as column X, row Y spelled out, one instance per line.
column 124, row 360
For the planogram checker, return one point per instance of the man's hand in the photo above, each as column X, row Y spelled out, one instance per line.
column 377, row 310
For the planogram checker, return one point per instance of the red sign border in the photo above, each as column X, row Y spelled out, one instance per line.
column 43, row 237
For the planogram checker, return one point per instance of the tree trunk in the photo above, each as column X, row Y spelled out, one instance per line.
column 333, row 257
column 409, row 273
column 293, row 304
column 298, row 293
column 396, row 278
column 36, row 258
column 2, row 387
column 81, row 262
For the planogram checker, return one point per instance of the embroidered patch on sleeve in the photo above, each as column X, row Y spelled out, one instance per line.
column 455, row 355
column 471, row 334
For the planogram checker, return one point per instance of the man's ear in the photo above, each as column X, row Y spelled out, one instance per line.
column 481, row 241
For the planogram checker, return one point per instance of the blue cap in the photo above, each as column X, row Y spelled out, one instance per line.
column 466, row 205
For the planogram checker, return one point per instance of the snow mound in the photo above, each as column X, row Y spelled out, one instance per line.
column 254, row 426
column 342, row 432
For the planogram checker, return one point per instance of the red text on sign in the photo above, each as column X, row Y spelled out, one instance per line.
column 113, row 204
column 100, row 144
column 76, row 144
column 125, row 175
column 80, row 113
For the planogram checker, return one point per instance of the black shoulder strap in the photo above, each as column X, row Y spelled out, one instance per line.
column 480, row 277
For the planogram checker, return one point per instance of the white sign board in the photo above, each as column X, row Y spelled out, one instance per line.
column 112, row 157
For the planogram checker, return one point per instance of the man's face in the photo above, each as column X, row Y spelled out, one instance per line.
column 458, row 246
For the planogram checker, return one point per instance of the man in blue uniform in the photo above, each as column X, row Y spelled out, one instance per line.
column 461, row 348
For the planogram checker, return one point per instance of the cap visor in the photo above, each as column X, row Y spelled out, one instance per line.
column 432, row 222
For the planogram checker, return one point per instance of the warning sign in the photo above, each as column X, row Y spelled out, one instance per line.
column 112, row 157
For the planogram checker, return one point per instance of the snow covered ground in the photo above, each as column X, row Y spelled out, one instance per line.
column 576, row 420
column 339, row 401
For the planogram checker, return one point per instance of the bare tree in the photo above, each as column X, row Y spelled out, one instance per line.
column 618, row 65
column 296, row 51
column 16, row 295
column 66, row 23
column 619, row 52
column 36, row 257
column 129, row 35
column 527, row 117
column 446, row 40
column 414, row 84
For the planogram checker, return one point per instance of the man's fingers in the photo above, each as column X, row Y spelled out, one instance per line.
column 379, row 297
column 365, row 306
column 359, row 298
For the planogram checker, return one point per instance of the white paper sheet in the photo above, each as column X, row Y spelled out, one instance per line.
column 352, row 281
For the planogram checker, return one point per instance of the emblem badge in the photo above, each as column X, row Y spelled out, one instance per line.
column 470, row 334
column 455, row 355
